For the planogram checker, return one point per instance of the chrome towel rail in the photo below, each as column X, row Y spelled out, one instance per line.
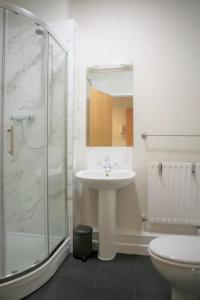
column 145, row 135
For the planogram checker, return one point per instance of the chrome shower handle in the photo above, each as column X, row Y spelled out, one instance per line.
column 11, row 132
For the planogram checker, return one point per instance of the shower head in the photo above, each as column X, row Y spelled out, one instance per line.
column 39, row 31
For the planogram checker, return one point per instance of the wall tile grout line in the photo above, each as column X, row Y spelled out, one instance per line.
column 98, row 276
column 134, row 294
column 134, row 271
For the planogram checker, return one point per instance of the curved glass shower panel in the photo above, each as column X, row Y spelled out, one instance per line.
column 24, row 140
column 1, row 75
column 56, row 143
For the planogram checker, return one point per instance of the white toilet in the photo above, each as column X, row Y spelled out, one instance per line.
column 177, row 258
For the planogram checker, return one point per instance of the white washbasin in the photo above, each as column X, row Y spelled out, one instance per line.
column 97, row 179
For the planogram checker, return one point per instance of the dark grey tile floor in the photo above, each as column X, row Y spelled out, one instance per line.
column 127, row 277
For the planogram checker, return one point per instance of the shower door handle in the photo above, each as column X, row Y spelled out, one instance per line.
column 12, row 140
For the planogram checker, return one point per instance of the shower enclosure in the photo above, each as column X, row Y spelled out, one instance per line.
column 33, row 67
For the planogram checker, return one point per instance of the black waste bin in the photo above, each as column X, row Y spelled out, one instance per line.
column 82, row 242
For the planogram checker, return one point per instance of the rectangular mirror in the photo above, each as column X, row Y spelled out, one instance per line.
column 110, row 111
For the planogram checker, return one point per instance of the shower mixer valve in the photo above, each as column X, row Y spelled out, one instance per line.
column 22, row 116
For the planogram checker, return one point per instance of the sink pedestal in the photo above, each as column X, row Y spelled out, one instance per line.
column 106, row 221
column 107, row 187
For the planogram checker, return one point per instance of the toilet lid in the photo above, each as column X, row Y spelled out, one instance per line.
column 177, row 248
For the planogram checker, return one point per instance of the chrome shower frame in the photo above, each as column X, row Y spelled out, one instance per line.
column 56, row 257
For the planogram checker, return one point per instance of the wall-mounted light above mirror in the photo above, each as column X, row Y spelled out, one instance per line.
column 110, row 110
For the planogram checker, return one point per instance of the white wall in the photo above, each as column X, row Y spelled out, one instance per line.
column 162, row 38
column 47, row 10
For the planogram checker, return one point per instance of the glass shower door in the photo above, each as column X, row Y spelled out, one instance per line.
column 56, row 144
column 1, row 76
column 24, row 145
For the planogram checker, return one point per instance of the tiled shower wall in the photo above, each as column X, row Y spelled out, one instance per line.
column 67, row 32
column 24, row 185
column 30, row 219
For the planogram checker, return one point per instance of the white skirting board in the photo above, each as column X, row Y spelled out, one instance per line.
column 130, row 243
column 134, row 242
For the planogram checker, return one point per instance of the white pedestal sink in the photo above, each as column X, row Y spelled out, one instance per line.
column 107, row 187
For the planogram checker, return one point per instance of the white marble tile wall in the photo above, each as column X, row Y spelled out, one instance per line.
column 120, row 155
column 25, row 186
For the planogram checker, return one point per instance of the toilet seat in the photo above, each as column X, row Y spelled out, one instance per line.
column 180, row 249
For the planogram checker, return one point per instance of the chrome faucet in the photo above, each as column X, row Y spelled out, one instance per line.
column 107, row 166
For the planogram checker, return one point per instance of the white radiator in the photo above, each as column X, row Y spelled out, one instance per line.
column 173, row 193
